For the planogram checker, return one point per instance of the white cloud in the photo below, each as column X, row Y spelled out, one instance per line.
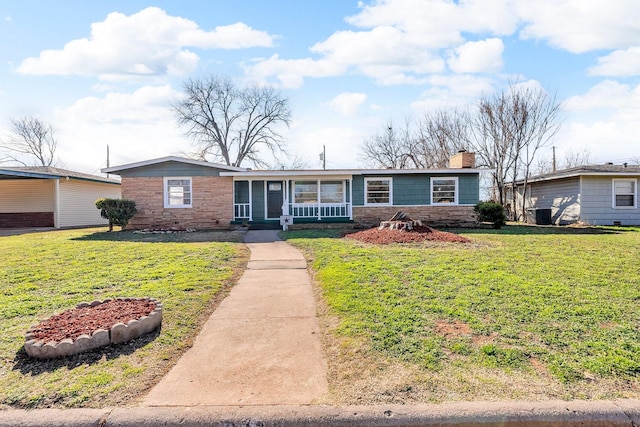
column 606, row 95
column 484, row 56
column 580, row 26
column 605, row 120
column 348, row 103
column 136, row 126
column 291, row 72
column 618, row 63
column 452, row 91
column 147, row 43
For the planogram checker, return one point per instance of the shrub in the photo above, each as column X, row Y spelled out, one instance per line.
column 117, row 211
column 491, row 212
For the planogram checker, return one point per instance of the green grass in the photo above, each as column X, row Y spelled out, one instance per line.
column 45, row 273
column 564, row 301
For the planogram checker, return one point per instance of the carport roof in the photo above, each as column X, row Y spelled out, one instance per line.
column 48, row 172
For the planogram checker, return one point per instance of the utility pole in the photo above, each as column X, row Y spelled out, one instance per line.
column 323, row 157
column 554, row 158
column 107, row 159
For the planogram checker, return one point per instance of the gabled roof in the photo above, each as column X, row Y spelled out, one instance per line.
column 116, row 169
column 588, row 170
column 49, row 172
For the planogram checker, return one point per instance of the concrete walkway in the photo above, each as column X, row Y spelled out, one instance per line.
column 261, row 346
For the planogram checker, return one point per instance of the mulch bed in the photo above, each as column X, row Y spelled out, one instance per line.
column 418, row 234
column 78, row 321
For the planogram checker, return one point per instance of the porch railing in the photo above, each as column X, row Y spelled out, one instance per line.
column 302, row 210
column 241, row 210
column 320, row 210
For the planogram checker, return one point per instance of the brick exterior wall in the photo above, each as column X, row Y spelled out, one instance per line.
column 212, row 203
column 26, row 219
column 436, row 216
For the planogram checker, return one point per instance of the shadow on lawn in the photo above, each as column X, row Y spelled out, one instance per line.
column 514, row 229
column 524, row 229
column 29, row 366
column 182, row 237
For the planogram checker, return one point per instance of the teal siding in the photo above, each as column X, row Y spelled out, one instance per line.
column 358, row 191
column 469, row 189
column 169, row 169
column 257, row 204
column 410, row 190
column 241, row 192
column 415, row 190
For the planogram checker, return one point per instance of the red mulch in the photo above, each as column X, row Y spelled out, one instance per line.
column 77, row 321
column 417, row 235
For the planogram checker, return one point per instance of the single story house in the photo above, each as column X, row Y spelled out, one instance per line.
column 175, row 191
column 42, row 196
column 594, row 194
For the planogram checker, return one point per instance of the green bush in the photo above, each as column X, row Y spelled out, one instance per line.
column 117, row 211
column 491, row 212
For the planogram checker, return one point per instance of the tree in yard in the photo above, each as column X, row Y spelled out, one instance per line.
column 31, row 143
column 510, row 128
column 441, row 134
column 117, row 211
column 231, row 124
column 391, row 149
column 437, row 137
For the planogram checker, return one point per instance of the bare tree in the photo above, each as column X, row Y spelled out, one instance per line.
column 389, row 149
column 232, row 124
column 510, row 129
column 573, row 158
column 440, row 135
column 31, row 143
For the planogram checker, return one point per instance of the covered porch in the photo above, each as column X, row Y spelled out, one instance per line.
column 292, row 199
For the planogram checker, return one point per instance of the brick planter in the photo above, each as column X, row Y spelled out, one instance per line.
column 117, row 334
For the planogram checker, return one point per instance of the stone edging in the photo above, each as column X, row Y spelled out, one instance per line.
column 118, row 334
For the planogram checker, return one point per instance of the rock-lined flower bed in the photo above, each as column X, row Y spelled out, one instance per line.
column 93, row 325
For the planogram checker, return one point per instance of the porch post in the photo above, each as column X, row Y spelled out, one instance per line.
column 318, row 195
column 56, row 202
column 285, row 203
column 351, row 198
column 250, row 200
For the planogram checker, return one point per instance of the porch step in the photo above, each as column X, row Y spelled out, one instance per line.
column 265, row 226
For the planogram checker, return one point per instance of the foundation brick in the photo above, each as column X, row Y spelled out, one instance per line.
column 212, row 203
column 435, row 216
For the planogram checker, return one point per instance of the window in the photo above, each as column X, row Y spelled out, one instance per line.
column 331, row 192
column 378, row 191
column 305, row 192
column 177, row 192
column 444, row 191
column 624, row 193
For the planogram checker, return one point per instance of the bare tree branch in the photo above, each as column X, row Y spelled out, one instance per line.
column 31, row 142
column 231, row 124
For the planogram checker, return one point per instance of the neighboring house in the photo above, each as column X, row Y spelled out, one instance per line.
column 174, row 191
column 595, row 194
column 42, row 196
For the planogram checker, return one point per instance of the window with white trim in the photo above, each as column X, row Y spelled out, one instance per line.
column 624, row 193
column 444, row 191
column 177, row 192
column 378, row 191
column 331, row 191
column 305, row 192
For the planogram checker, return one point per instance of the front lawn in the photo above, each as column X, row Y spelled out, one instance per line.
column 521, row 313
column 45, row 273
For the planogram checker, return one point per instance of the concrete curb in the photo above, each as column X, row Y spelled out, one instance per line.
column 548, row 413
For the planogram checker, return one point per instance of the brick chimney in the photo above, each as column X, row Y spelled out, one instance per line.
column 463, row 159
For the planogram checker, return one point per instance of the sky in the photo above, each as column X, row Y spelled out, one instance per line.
column 105, row 73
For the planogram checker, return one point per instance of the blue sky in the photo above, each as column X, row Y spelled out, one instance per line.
column 106, row 72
